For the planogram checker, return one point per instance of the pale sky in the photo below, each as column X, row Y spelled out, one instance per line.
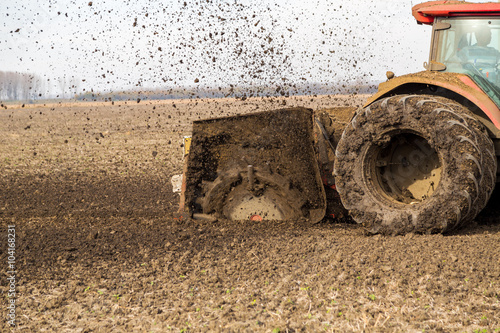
column 115, row 45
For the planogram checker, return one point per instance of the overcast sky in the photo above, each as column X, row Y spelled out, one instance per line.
column 114, row 45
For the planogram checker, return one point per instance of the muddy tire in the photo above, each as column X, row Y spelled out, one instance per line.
column 414, row 164
column 254, row 194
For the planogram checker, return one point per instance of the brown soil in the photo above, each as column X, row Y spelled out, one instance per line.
column 88, row 188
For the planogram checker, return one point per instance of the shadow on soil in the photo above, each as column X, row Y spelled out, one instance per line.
column 70, row 221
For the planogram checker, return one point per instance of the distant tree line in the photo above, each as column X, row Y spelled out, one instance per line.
column 232, row 91
column 20, row 86
column 27, row 87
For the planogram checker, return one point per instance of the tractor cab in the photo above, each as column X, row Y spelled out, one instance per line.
column 469, row 46
column 466, row 40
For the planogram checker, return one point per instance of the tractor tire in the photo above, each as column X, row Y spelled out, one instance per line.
column 414, row 163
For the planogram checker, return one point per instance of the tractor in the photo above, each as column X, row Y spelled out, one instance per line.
column 420, row 156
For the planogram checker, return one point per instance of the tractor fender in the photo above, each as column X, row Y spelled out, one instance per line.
column 460, row 84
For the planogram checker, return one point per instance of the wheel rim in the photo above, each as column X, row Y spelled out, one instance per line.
column 244, row 205
column 406, row 170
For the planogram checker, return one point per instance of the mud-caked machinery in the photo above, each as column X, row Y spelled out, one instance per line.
column 420, row 156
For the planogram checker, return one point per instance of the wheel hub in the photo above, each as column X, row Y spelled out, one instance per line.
column 407, row 170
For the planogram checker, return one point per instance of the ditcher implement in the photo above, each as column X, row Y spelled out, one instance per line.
column 420, row 156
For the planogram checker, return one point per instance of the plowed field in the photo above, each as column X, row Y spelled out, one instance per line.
column 98, row 249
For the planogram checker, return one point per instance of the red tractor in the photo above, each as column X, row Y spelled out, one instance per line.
column 420, row 156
